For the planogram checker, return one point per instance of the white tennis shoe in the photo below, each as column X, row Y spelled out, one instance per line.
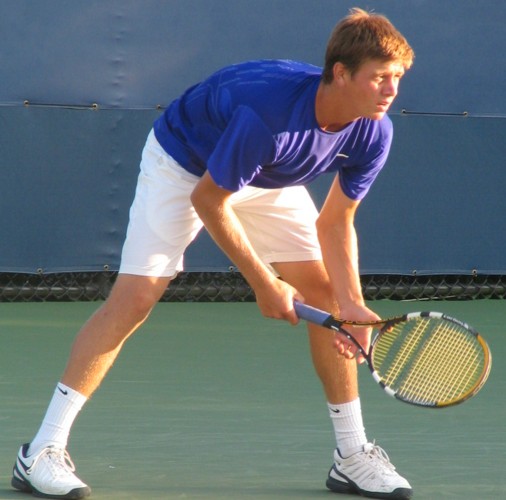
column 368, row 473
column 48, row 474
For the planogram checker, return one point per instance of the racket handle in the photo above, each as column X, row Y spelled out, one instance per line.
column 310, row 313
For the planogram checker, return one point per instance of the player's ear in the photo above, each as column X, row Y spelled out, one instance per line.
column 339, row 71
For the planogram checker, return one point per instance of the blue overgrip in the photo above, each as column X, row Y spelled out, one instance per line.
column 311, row 314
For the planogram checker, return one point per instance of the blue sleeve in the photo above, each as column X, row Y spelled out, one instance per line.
column 357, row 180
column 244, row 146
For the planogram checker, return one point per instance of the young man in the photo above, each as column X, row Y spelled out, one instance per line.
column 232, row 154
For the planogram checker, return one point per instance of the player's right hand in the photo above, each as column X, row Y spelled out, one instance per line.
column 275, row 300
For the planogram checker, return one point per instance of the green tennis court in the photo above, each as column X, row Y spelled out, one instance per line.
column 213, row 401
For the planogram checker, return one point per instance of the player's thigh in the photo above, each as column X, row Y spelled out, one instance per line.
column 280, row 223
column 162, row 219
column 311, row 279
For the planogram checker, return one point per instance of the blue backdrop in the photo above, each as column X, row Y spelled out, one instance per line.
column 82, row 81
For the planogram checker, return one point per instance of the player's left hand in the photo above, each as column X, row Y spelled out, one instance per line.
column 346, row 347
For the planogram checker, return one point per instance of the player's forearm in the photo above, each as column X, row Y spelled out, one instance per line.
column 228, row 233
column 340, row 256
column 273, row 296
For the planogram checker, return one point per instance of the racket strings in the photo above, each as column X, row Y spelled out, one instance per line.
column 395, row 347
column 410, row 344
column 436, row 375
column 466, row 366
column 417, row 359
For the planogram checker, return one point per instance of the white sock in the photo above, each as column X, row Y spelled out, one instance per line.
column 61, row 413
column 348, row 427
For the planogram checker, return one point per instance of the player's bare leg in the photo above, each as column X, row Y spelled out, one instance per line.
column 43, row 467
column 337, row 374
column 359, row 466
column 101, row 338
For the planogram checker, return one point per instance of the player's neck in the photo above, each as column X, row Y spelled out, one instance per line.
column 332, row 113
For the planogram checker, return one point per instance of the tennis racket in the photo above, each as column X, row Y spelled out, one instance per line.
column 422, row 358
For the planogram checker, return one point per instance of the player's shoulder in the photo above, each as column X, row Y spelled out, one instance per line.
column 379, row 129
column 385, row 128
column 385, row 124
column 373, row 135
column 286, row 68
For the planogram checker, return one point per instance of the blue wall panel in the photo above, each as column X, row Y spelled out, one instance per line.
column 67, row 179
column 439, row 205
column 68, row 171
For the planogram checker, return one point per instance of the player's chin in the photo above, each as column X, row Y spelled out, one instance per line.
column 377, row 115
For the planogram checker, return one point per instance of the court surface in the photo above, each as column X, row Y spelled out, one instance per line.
column 213, row 401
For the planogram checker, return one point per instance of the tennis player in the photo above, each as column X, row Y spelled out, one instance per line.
column 233, row 154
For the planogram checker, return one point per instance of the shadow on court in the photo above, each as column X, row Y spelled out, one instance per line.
column 212, row 401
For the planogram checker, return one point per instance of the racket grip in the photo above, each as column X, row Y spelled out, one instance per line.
column 310, row 313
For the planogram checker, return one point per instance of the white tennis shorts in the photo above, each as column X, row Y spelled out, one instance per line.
column 280, row 223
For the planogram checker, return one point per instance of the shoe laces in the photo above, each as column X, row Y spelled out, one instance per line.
column 58, row 461
column 378, row 455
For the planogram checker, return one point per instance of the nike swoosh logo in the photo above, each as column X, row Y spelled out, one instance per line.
column 64, row 392
column 335, row 411
column 341, row 155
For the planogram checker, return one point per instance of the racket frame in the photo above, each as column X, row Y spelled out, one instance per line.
column 327, row 320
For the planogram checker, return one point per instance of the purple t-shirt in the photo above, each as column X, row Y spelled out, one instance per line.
column 254, row 123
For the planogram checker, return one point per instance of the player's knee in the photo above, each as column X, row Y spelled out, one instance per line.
column 141, row 303
column 135, row 298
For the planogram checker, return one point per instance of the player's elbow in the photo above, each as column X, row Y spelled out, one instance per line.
column 207, row 196
column 195, row 199
column 326, row 228
column 201, row 200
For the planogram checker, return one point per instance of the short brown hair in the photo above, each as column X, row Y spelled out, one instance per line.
column 361, row 36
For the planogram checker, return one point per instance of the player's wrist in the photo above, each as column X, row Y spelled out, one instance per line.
column 351, row 306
